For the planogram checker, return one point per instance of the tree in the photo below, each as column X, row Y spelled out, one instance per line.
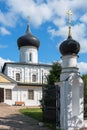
column 84, row 77
column 54, row 75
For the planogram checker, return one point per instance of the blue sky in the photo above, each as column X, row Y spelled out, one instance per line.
column 48, row 22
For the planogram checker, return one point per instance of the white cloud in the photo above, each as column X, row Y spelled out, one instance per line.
column 78, row 33
column 62, row 31
column 4, row 31
column 53, row 11
column 41, row 11
column 79, row 5
column 83, row 45
column 84, row 18
column 8, row 18
column 82, row 67
column 2, row 61
column 59, row 22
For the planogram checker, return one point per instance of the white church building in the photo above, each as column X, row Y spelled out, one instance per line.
column 21, row 82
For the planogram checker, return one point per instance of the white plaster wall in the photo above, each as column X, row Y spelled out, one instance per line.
column 21, row 94
column 69, row 65
column 8, row 86
column 71, row 94
column 71, row 103
column 24, row 54
column 66, row 72
column 69, row 61
column 26, row 72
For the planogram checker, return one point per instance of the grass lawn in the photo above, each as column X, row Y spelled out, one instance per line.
column 35, row 113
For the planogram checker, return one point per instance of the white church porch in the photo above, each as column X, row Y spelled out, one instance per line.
column 12, row 92
column 29, row 94
column 6, row 86
column 21, row 94
column 8, row 92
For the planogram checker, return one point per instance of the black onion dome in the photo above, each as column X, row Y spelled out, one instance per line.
column 28, row 40
column 69, row 46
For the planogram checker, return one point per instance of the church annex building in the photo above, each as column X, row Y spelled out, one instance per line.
column 22, row 81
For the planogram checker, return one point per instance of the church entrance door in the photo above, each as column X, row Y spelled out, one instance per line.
column 1, row 94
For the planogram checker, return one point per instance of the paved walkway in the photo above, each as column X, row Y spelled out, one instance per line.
column 11, row 119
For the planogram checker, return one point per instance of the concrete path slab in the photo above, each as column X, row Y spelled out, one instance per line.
column 11, row 119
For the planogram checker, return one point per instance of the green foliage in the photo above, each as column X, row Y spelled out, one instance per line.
column 54, row 75
column 84, row 77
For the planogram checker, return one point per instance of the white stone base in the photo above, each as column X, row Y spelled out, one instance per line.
column 85, row 121
column 72, row 128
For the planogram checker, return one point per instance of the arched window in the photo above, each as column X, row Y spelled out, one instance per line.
column 30, row 57
column 18, row 76
column 33, row 78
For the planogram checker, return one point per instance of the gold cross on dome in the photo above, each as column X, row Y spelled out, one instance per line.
column 69, row 22
column 28, row 25
column 69, row 14
column 28, row 20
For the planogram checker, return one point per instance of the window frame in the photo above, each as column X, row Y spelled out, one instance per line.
column 34, row 77
column 8, row 94
column 17, row 76
column 30, row 57
column 31, row 94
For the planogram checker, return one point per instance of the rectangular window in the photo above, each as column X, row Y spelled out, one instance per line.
column 18, row 76
column 33, row 78
column 8, row 93
column 31, row 94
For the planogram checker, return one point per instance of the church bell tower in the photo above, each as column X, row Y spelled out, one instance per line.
column 28, row 45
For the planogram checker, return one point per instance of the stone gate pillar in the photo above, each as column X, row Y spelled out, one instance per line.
column 71, row 86
column 71, row 95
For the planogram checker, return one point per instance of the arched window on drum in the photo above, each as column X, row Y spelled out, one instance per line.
column 30, row 57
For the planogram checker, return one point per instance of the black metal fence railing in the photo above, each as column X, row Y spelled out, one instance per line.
column 51, row 104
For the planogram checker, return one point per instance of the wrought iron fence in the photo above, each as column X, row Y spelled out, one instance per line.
column 51, row 104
